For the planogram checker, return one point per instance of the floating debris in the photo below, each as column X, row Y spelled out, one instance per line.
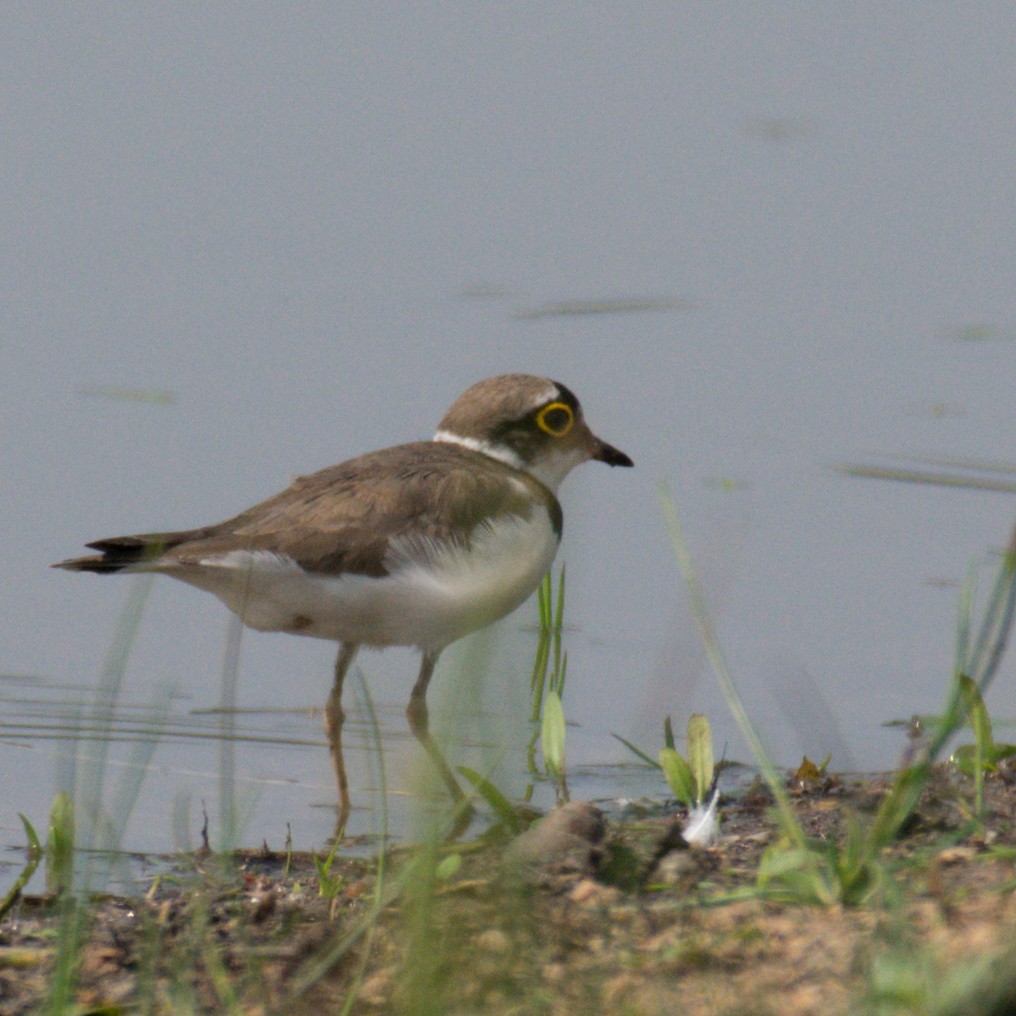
column 483, row 291
column 725, row 483
column 618, row 305
column 780, row 129
column 937, row 410
column 979, row 333
column 158, row 396
column 952, row 474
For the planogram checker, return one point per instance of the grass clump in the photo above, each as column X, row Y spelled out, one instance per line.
column 803, row 869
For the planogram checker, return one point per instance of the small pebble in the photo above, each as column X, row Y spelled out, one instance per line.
column 375, row 990
column 493, row 940
column 673, row 866
column 567, row 840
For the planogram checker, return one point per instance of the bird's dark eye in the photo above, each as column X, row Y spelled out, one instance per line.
column 555, row 419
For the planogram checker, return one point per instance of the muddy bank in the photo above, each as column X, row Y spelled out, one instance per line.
column 615, row 921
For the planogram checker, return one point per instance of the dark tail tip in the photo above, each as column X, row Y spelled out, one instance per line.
column 117, row 553
column 96, row 563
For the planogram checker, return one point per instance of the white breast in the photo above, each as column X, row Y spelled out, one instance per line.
column 434, row 593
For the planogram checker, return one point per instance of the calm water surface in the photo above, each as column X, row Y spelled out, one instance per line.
column 760, row 242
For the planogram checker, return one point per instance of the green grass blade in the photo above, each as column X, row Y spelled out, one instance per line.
column 649, row 761
column 994, row 634
column 499, row 804
column 678, row 775
column 553, row 734
column 60, row 844
column 984, row 744
column 700, row 755
column 964, row 623
column 561, row 675
column 34, row 857
column 91, row 769
column 538, row 682
column 558, row 672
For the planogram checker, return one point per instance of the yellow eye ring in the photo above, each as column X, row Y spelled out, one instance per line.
column 555, row 419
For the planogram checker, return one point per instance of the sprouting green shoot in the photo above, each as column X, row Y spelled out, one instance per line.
column 60, row 844
column 329, row 885
column 699, row 746
column 689, row 779
column 668, row 732
column 976, row 666
column 983, row 755
column 550, row 616
column 552, row 737
column 31, row 863
column 550, row 668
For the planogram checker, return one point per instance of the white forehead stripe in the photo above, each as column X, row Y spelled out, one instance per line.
column 553, row 392
column 495, row 451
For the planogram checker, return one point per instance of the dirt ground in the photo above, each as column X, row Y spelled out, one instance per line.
column 613, row 922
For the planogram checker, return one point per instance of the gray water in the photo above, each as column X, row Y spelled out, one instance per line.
column 760, row 242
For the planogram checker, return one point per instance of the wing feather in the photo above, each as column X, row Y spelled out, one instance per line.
column 343, row 519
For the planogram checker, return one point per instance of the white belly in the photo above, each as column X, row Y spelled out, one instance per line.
column 433, row 594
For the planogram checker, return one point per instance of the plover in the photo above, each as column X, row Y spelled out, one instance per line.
column 416, row 545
